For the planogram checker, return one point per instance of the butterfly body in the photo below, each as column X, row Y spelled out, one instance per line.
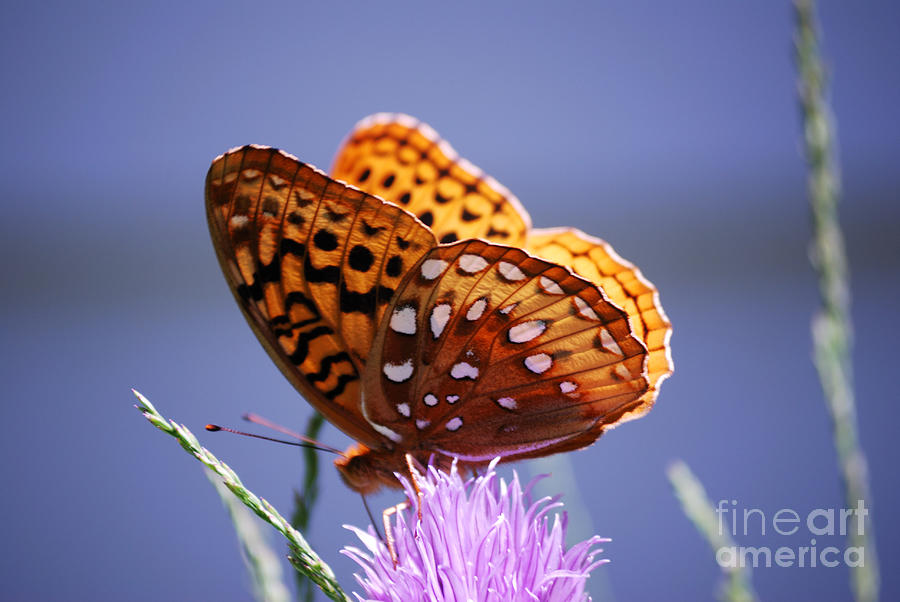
column 470, row 349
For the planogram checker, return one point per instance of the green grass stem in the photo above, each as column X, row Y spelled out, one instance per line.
column 697, row 507
column 302, row 556
column 832, row 329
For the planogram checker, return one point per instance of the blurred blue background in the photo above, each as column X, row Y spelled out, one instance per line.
column 670, row 129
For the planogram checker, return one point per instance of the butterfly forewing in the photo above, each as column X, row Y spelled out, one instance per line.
column 488, row 351
column 313, row 264
column 404, row 161
column 625, row 285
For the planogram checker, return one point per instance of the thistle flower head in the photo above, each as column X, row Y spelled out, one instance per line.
column 479, row 539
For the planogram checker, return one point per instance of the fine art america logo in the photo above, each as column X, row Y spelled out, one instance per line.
column 818, row 523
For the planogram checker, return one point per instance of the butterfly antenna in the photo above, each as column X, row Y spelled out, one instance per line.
column 257, row 419
column 215, row 427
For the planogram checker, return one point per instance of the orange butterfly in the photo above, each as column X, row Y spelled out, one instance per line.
column 418, row 310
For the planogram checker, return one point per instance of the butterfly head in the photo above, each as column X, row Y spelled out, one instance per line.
column 366, row 470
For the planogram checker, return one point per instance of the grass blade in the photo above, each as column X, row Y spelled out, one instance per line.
column 832, row 329
column 302, row 555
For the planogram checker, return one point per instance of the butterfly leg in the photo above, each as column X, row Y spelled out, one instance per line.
column 413, row 475
column 389, row 540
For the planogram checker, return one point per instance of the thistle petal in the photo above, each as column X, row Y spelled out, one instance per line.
column 479, row 539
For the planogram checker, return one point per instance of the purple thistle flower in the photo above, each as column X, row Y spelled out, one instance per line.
column 480, row 539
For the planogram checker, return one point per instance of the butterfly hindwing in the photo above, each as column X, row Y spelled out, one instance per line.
column 489, row 351
column 313, row 264
column 624, row 284
column 404, row 161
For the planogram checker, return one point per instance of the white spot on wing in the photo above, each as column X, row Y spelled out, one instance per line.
column 251, row 174
column 464, row 370
column 510, row 271
column 403, row 408
column 399, row 372
column 392, row 435
column 623, row 372
column 476, row 310
column 405, row 120
column 467, row 166
column 508, row 308
column 584, row 310
column 432, row 268
column 550, row 287
column 609, row 343
column 447, row 150
column 428, row 131
column 451, row 399
column 277, row 181
column 507, row 403
column 403, row 320
column 454, row 423
column 422, row 424
column 239, row 221
column 430, row 400
column 472, row 264
column 538, row 363
column 526, row 331
column 497, row 186
column 567, row 386
column 440, row 315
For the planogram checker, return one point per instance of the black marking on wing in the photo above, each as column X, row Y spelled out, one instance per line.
column 334, row 216
column 364, row 303
column 303, row 340
column 343, row 380
column 325, row 366
column 301, row 202
column 298, row 298
column 289, row 331
column 292, row 247
column 330, row 273
column 371, row 230
column 468, row 216
column 270, row 272
column 394, row 266
column 248, row 292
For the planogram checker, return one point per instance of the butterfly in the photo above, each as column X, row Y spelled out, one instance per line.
column 409, row 300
